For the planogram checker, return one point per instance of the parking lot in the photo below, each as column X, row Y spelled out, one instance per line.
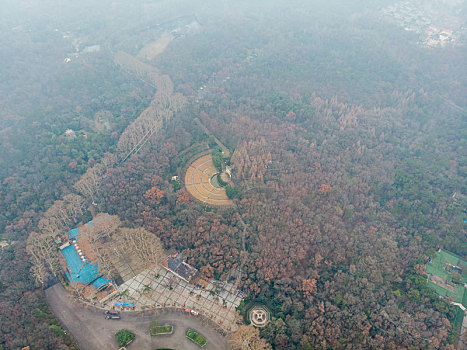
column 92, row 331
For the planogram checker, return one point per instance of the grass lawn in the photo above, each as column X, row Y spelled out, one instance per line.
column 196, row 337
column 155, row 328
column 451, row 271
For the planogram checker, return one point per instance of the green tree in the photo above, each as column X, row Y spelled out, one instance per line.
column 231, row 192
column 414, row 295
column 217, row 160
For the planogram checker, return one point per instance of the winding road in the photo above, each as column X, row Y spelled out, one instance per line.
column 93, row 332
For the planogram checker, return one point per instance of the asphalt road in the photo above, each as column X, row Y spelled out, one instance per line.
column 93, row 332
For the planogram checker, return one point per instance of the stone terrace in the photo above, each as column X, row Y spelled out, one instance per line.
column 158, row 288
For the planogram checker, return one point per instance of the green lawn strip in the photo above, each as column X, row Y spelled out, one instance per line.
column 196, row 337
column 155, row 328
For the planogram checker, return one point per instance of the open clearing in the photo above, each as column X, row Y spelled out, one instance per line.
column 198, row 182
column 155, row 48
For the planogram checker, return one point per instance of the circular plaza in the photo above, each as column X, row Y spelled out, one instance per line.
column 259, row 316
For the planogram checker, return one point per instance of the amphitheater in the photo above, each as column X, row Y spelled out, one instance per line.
column 198, row 182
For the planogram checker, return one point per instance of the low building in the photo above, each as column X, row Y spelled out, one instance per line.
column 175, row 263
column 70, row 133
column 81, row 267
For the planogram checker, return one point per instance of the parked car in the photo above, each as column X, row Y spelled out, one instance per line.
column 112, row 315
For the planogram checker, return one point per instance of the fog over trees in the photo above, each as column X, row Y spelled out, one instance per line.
column 345, row 123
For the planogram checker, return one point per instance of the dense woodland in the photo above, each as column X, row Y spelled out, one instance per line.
column 348, row 153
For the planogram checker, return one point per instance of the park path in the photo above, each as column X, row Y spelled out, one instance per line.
column 225, row 150
column 463, row 336
column 92, row 332
column 240, row 270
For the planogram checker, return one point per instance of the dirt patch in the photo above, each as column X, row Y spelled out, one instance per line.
column 155, row 48
column 440, row 282
column 225, row 177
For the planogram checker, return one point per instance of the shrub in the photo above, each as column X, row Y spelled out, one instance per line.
column 196, row 337
column 221, row 182
column 124, row 337
column 57, row 329
column 217, row 160
column 231, row 192
column 155, row 328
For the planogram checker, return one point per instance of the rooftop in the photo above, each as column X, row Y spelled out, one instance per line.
column 79, row 267
column 175, row 264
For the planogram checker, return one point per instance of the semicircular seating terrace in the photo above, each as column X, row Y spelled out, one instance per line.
column 198, row 182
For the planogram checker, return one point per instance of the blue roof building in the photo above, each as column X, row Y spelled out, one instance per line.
column 79, row 268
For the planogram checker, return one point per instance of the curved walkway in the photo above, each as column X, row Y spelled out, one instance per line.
column 198, row 182
column 92, row 331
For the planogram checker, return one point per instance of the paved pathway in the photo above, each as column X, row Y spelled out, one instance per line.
column 463, row 336
column 93, row 332
column 157, row 288
column 225, row 150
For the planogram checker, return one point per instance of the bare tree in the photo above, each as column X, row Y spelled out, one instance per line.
column 247, row 338
column 143, row 70
column 178, row 101
column 108, row 161
column 61, row 214
column 90, row 182
column 149, row 122
column 44, row 256
column 74, row 207
column 91, row 241
column 93, row 238
column 38, row 270
column 144, row 245
column 161, row 108
column 54, row 220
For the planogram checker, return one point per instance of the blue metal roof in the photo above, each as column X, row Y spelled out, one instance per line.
column 79, row 271
column 101, row 282
column 73, row 234
column 82, row 271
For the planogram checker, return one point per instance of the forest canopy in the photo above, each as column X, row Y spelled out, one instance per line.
column 347, row 141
